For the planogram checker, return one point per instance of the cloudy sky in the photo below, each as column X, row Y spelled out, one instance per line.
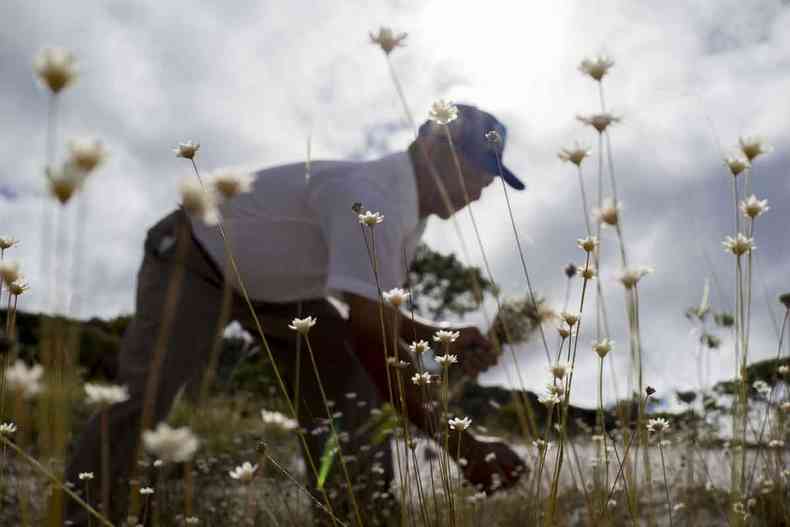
column 251, row 80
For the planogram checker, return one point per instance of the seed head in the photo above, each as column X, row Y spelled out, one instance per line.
column 56, row 68
column 65, row 181
column 753, row 146
column 575, row 154
column 753, row 207
column 9, row 271
column 443, row 112
column 396, row 296
column 650, row 391
column 599, row 121
column 187, row 149
column 570, row 318
column 596, row 67
column 302, row 325
column 86, row 153
column 387, row 40
column 738, row 245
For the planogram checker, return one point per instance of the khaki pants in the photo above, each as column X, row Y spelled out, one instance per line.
column 189, row 344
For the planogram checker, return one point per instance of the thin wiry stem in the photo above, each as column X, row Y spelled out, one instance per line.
column 666, row 483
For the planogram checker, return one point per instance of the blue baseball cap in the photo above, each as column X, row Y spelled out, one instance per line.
column 480, row 138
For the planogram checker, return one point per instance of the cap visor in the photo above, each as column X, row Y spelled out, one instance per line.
column 511, row 179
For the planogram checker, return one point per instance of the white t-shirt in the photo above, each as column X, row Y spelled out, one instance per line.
column 296, row 238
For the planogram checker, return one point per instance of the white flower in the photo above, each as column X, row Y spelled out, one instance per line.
column 456, row 423
column 738, row 245
column 659, row 424
column 776, row 443
column 370, row 218
column 599, row 121
column 396, row 296
column 784, row 369
column 56, row 68
column 560, row 369
column 490, row 457
column 611, row 503
column 631, row 275
column 192, row 520
column 421, row 378
column 587, row 272
column 302, row 325
column 419, row 346
column 65, row 181
column 18, row 287
column 596, row 67
column 7, row 428
column 446, row 359
column 476, row 497
column 588, row 244
column 24, row 380
column 9, row 271
column 570, row 318
column 762, row 387
column 85, row 475
column 146, row 491
column 187, row 149
column 6, row 242
column 105, row 395
column 753, row 146
column 753, row 207
column 175, row 445
column 244, row 472
column 199, row 202
column 550, row 399
column 158, row 463
column 278, row 419
column 443, row 112
column 736, row 164
column 229, row 182
column 387, row 40
column 445, row 336
column 603, row 347
column 679, row 507
column 575, row 155
column 609, row 213
column 86, row 153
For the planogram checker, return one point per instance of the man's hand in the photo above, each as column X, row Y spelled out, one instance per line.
column 493, row 466
column 475, row 351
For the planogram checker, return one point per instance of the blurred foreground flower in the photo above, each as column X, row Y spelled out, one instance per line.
column 6, row 242
column 456, row 423
column 24, row 380
column 631, row 275
column 599, row 121
column 9, row 272
column 56, row 68
column 596, row 67
column 229, row 183
column 278, row 419
column 443, row 112
column 199, row 202
column 609, row 213
column 86, row 153
column 387, row 40
column 187, row 149
column 7, row 428
column 175, row 445
column 65, row 181
column 753, row 146
column 105, row 395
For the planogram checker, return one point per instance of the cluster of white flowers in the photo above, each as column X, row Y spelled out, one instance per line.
column 302, row 325
column 24, row 380
column 105, row 395
column 146, row 491
column 278, row 419
column 175, row 445
column 83, row 476
column 244, row 472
